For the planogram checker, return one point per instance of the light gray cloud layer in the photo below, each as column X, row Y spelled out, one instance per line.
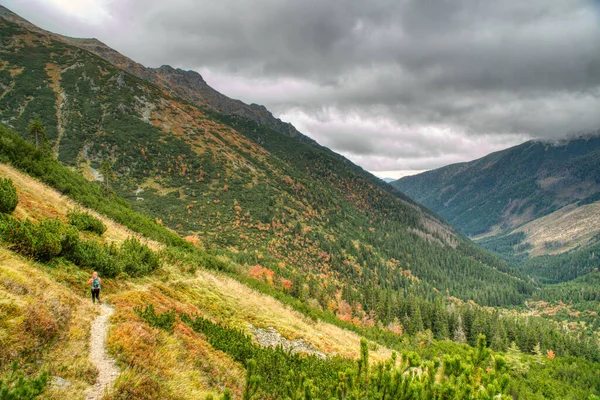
column 393, row 84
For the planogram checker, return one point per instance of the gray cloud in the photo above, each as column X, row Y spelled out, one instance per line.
column 393, row 84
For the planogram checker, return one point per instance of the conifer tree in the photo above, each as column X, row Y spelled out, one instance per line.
column 252, row 380
column 37, row 134
column 108, row 175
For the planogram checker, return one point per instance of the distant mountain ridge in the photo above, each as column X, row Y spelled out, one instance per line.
column 545, row 192
column 188, row 85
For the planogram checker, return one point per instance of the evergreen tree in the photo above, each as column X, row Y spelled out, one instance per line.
column 37, row 134
column 252, row 380
column 108, row 175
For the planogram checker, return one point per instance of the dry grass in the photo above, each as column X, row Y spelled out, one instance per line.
column 226, row 300
column 571, row 226
column 44, row 324
column 183, row 364
column 37, row 201
column 177, row 365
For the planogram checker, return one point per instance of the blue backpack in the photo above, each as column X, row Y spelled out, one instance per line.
column 95, row 283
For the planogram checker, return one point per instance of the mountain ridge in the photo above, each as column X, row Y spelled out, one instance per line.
column 446, row 185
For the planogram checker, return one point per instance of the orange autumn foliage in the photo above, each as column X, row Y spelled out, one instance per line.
column 261, row 273
column 193, row 240
column 286, row 284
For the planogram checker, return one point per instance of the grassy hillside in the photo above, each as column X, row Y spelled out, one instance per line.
column 197, row 351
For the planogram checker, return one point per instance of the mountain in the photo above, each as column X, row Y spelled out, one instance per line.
column 191, row 158
column 388, row 180
column 538, row 198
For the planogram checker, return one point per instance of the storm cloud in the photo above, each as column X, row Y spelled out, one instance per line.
column 392, row 84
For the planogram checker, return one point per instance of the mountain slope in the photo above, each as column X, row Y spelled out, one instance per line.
column 287, row 244
column 504, row 191
column 164, row 353
column 280, row 202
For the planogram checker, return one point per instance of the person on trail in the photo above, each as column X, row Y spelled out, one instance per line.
column 95, row 283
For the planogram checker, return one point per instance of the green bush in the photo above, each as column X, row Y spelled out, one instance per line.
column 17, row 387
column 19, row 235
column 136, row 258
column 44, row 241
column 86, row 222
column 99, row 258
column 52, row 238
column 164, row 321
column 8, row 196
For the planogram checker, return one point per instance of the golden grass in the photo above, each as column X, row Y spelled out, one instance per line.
column 45, row 324
column 37, row 201
column 45, row 315
column 183, row 363
column 226, row 300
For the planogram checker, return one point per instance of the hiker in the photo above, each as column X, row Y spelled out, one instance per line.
column 95, row 283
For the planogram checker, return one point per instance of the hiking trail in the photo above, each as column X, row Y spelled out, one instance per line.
column 107, row 369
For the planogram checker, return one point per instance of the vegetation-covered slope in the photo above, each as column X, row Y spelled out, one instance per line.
column 512, row 187
column 285, row 205
column 186, row 332
column 535, row 204
column 282, row 235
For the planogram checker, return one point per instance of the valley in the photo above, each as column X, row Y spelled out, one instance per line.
column 211, row 222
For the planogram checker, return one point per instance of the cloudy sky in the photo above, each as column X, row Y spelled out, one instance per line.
column 394, row 85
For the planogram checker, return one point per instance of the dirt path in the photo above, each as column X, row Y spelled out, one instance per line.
column 107, row 369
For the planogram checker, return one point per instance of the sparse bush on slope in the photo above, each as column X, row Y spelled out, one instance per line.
column 97, row 257
column 42, row 241
column 86, row 222
column 165, row 321
column 16, row 387
column 52, row 238
column 8, row 196
column 136, row 258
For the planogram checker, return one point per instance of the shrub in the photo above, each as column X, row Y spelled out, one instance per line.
column 136, row 258
column 86, row 222
column 47, row 240
column 100, row 258
column 19, row 234
column 164, row 321
column 8, row 196
column 44, row 241
column 15, row 386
